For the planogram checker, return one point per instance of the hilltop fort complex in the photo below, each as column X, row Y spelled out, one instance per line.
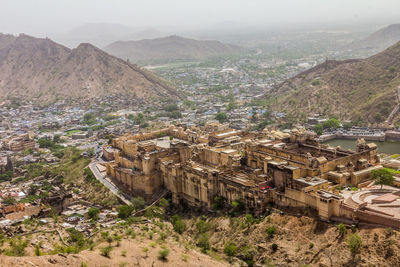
column 255, row 168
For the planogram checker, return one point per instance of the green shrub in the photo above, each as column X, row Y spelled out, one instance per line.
column 163, row 236
column 17, row 247
column 178, row 224
column 238, row 206
column 249, row 220
column 354, row 242
column 247, row 254
column 315, row 82
column 105, row 251
column 318, row 129
column 342, row 229
column 77, row 239
column 218, row 202
column 274, row 247
column 203, row 226
column 93, row 213
column 204, row 242
column 230, row 249
column 8, row 200
column 37, row 250
column 163, row 254
column 271, row 231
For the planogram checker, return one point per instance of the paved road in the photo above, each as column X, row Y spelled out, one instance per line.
column 107, row 183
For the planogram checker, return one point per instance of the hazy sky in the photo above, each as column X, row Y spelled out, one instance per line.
column 50, row 16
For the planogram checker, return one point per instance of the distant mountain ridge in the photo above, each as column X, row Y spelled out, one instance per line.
column 380, row 39
column 171, row 48
column 42, row 70
column 359, row 90
column 102, row 34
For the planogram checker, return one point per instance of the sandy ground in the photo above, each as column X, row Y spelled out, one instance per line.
column 134, row 257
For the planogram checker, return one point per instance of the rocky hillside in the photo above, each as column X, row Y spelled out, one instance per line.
column 277, row 240
column 380, row 39
column 170, row 48
column 42, row 70
column 360, row 90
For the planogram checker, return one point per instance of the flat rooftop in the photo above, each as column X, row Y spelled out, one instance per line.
column 312, row 181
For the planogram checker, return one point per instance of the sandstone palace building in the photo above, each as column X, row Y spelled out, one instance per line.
column 292, row 170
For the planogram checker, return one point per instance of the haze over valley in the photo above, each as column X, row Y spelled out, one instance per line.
column 199, row 133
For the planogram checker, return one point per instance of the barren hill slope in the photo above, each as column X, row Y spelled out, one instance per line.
column 42, row 70
column 360, row 90
column 169, row 48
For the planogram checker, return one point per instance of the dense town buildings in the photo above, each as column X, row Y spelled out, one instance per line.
column 18, row 143
column 251, row 167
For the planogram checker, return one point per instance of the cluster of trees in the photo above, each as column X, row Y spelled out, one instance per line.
column 171, row 111
column 89, row 118
column 49, row 142
column 332, row 123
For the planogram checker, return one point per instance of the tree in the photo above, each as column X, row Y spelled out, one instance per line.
column 318, row 129
column 382, row 177
column 332, row 123
column 138, row 203
column 124, row 211
column 93, row 213
column 221, row 117
column 354, row 242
